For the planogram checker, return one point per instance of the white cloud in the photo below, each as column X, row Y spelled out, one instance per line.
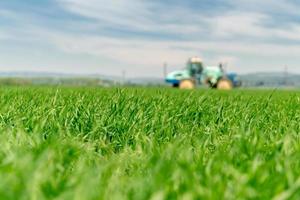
column 240, row 24
column 3, row 36
column 136, row 15
column 267, row 6
column 245, row 19
column 293, row 33
column 121, row 12
column 149, row 53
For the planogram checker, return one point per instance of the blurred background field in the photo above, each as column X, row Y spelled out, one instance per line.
column 254, row 80
column 155, row 143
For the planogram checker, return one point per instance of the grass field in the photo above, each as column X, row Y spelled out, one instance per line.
column 155, row 144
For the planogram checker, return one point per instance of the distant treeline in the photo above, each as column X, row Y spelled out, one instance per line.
column 56, row 81
column 15, row 81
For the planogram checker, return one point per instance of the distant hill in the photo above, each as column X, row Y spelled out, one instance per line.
column 271, row 79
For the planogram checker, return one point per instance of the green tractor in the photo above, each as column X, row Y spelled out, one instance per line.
column 196, row 74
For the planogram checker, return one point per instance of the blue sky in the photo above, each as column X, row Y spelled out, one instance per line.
column 107, row 37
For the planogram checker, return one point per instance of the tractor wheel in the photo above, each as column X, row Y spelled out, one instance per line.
column 187, row 84
column 224, row 84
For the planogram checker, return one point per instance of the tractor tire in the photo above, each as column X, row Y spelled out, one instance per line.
column 187, row 84
column 224, row 84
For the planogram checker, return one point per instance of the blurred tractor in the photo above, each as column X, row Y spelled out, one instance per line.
column 196, row 74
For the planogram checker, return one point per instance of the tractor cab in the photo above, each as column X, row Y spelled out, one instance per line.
column 195, row 67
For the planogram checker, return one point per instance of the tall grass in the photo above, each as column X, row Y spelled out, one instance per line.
column 71, row 143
